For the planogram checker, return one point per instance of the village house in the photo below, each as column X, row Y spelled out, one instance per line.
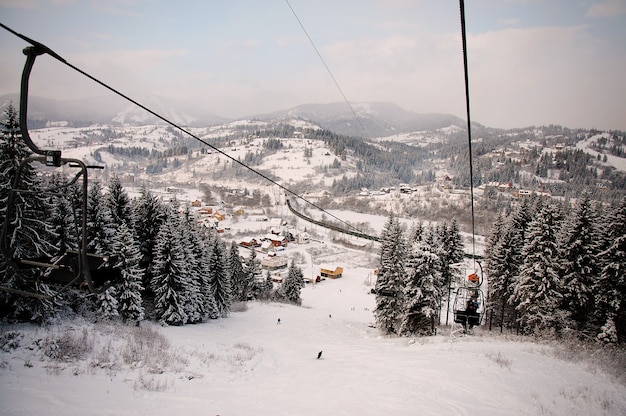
column 331, row 272
column 276, row 240
column 205, row 211
column 274, row 263
column 219, row 216
column 249, row 242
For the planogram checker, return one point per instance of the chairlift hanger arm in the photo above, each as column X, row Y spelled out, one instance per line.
column 31, row 53
column 53, row 157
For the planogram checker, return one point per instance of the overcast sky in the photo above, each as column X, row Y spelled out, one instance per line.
column 531, row 62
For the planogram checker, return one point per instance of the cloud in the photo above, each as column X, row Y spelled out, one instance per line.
column 25, row 4
column 32, row 4
column 608, row 8
column 560, row 75
column 509, row 22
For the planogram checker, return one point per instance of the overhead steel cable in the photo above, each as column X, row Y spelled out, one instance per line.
column 56, row 56
column 330, row 73
column 469, row 123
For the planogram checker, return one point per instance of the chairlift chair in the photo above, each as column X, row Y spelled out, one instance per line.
column 469, row 304
column 73, row 267
column 468, row 307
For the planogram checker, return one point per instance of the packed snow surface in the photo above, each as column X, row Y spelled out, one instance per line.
column 249, row 364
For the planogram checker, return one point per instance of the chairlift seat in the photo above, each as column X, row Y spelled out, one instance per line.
column 66, row 268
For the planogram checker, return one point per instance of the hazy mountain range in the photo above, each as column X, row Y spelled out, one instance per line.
column 358, row 119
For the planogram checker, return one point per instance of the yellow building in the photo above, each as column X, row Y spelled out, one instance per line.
column 331, row 273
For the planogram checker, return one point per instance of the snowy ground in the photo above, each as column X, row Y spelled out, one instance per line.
column 247, row 364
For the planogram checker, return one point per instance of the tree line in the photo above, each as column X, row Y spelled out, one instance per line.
column 171, row 269
column 416, row 275
column 553, row 268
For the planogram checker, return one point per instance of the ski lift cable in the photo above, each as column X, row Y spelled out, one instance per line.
column 469, row 125
column 45, row 49
column 319, row 55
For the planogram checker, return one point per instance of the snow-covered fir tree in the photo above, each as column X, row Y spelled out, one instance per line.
column 12, row 151
column 149, row 214
column 502, row 265
column 610, row 287
column 127, row 252
column 220, row 277
column 579, row 247
column 99, row 226
column 118, row 203
column 266, row 287
column 450, row 251
column 237, row 274
column 61, row 220
column 539, row 290
column 107, row 304
column 251, row 273
column 190, row 241
column 422, row 290
column 390, row 281
column 27, row 233
column 503, row 281
column 211, row 311
column 292, row 286
column 168, row 284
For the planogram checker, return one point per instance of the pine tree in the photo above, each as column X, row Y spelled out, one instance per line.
column 266, row 288
column 127, row 250
column 237, row 274
column 422, row 291
column 539, row 290
column 61, row 220
column 251, row 272
column 578, row 251
column 517, row 229
column 450, row 251
column 99, row 225
column 610, row 288
column 390, row 281
column 107, row 304
column 167, row 283
column 12, row 151
column 292, row 286
column 118, row 204
column 206, row 287
column 219, row 277
column 149, row 215
column 27, row 233
column 190, row 241
column 502, row 266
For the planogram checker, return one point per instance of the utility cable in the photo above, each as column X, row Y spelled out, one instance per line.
column 171, row 123
column 319, row 55
column 469, row 126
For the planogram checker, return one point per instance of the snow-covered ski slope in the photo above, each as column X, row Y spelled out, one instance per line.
column 248, row 364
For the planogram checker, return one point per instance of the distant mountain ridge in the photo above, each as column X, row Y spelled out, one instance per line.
column 372, row 119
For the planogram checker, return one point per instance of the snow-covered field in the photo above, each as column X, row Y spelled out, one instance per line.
column 248, row 364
